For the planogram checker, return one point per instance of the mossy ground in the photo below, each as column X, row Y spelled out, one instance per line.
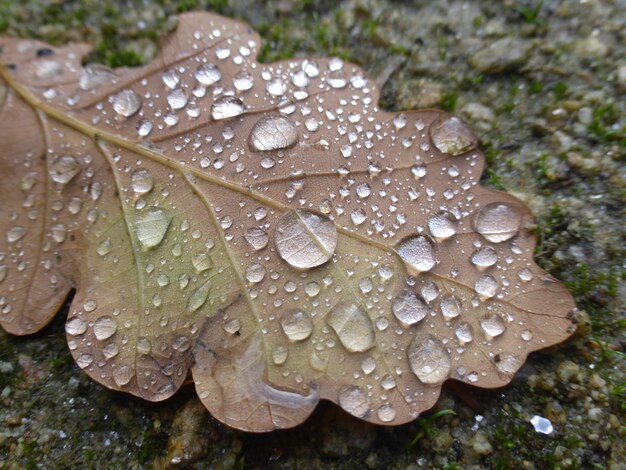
column 554, row 130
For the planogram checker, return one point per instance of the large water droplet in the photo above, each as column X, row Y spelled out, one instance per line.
column 486, row 286
column 257, row 238
column 450, row 135
column 493, row 325
column 429, row 359
column 255, row 273
column 201, row 262
column 464, row 332
column 507, row 363
column 417, row 252
column 409, row 308
column 15, row 234
column 498, row 222
column 450, row 306
column 386, row 413
column 272, row 133
column 297, row 325
column 354, row 400
column 226, row 107
column 485, row 257
column 353, row 327
column 177, row 99
column 126, row 103
column 305, row 239
column 122, row 375
column 243, row 81
column 104, row 327
column 63, row 169
column 141, row 181
column 75, row 326
column 198, row 297
column 441, row 227
column 207, row 74
column 151, row 228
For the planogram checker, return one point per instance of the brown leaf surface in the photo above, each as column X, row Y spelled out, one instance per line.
column 263, row 225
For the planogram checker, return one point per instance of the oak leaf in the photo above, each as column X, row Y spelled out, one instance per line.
column 265, row 227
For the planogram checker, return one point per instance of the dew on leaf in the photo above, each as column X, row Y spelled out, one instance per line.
column 305, row 239
column 273, row 132
column 297, row 325
column 450, row 135
column 417, row 252
column 104, row 327
column 63, row 169
column 207, row 74
column 409, row 308
column 429, row 359
column 151, row 228
column 354, row 400
column 227, row 107
column 126, row 103
column 353, row 327
column 498, row 222
column 141, row 181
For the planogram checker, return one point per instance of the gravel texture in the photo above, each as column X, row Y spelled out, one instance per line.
column 543, row 85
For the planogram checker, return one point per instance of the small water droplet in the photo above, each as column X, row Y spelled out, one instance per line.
column 273, row 132
column 417, row 252
column 126, row 103
column 201, row 262
column 177, row 99
column 353, row 327
column 441, row 227
column 525, row 275
column 493, row 325
column 84, row 360
column 279, row 355
column 243, row 81
column 368, row 364
column 409, row 308
column 507, row 363
column 305, row 239
column 429, row 359
column 464, row 332
column 151, row 228
column 104, row 247
column 452, row 136
column 297, row 325
column 498, row 222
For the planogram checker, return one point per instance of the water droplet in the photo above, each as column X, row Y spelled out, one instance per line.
column 75, row 326
column 276, row 87
column 177, row 99
column 429, row 359
column 507, row 363
column 297, row 325
column 386, row 413
column 450, row 306
column 226, row 107
column 358, row 216
column 525, row 275
column 201, row 262
column 305, row 239
column 141, row 181
column 273, row 132
column 279, row 355
column 126, row 103
column 498, row 222
column 486, row 286
column 368, row 364
column 208, row 74
column 409, row 308
column 353, row 327
column 492, row 325
column 243, row 81
column 232, row 326
column 144, row 127
column 84, row 360
column 59, row 233
column 354, row 400
column 63, row 169
column 104, row 247
column 464, row 332
column 363, row 190
column 151, row 228
column 527, row 335
column 257, row 238
column 3, row 272
column 122, row 375
column 255, row 273
column 441, row 227
column 15, row 234
column 450, row 135
column 485, row 257
column 104, row 327
column 388, row 382
column 198, row 297
column 170, row 78
column 417, row 252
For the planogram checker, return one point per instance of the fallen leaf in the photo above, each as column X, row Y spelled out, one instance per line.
column 264, row 226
